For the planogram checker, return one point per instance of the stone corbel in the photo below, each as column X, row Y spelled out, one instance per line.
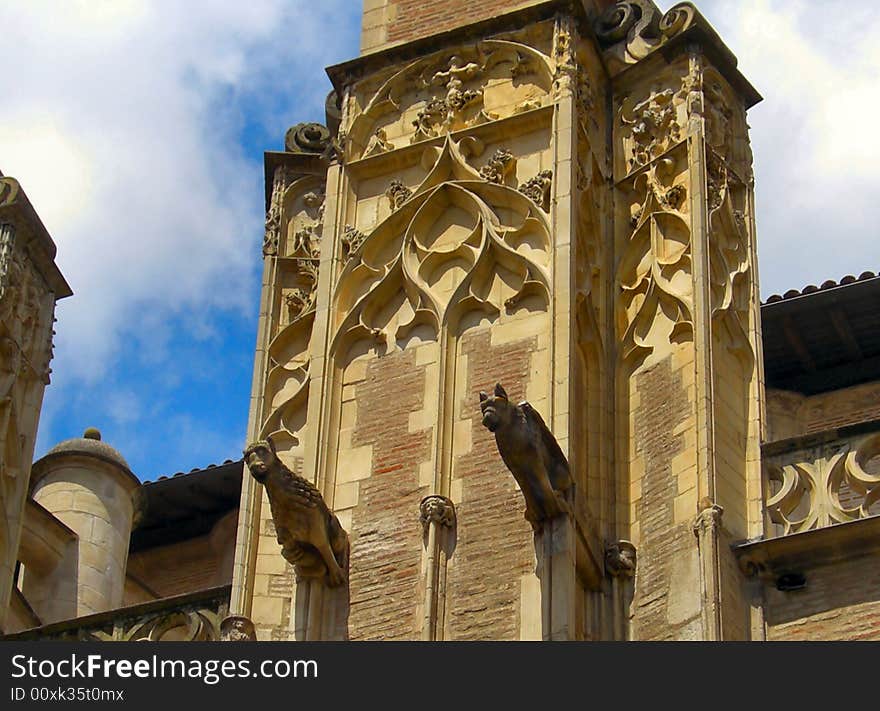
column 237, row 628
column 437, row 516
column 620, row 566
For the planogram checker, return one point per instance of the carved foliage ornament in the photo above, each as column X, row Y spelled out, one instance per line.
column 448, row 244
column 500, row 165
column 653, row 126
column 729, row 261
column 448, row 91
column 282, row 180
column 631, row 30
column 655, row 306
column 25, row 314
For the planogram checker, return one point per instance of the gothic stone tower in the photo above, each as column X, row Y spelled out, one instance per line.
column 556, row 196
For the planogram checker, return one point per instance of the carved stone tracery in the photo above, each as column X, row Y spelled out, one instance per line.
column 443, row 93
column 656, row 303
column 832, row 484
column 433, row 268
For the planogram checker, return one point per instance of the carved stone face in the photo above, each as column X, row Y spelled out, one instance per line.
column 495, row 409
column 259, row 459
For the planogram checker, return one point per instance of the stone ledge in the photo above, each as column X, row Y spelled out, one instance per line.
column 798, row 553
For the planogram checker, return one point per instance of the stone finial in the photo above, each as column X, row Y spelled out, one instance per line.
column 92, row 433
column 531, row 453
column 437, row 509
column 620, row 559
column 311, row 538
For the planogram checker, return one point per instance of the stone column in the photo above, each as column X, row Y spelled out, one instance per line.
column 688, row 336
column 437, row 515
column 88, row 486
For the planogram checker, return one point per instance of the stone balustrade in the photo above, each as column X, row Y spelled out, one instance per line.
column 822, row 480
column 192, row 617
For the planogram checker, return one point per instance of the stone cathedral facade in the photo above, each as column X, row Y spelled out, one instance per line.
column 551, row 198
column 544, row 202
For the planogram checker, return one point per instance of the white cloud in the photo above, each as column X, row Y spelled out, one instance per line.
column 818, row 68
column 120, row 120
column 123, row 120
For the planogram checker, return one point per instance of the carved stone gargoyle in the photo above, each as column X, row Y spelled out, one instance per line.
column 311, row 538
column 531, row 453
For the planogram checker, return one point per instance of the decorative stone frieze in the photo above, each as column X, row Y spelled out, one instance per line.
column 447, row 92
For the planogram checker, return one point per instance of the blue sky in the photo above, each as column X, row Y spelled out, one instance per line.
column 137, row 129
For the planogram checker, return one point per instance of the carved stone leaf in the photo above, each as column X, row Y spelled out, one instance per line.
column 654, row 274
column 445, row 92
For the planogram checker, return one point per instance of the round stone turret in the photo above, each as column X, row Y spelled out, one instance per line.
column 88, row 486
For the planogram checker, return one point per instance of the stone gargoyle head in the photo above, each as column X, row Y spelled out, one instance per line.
column 260, row 457
column 497, row 410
